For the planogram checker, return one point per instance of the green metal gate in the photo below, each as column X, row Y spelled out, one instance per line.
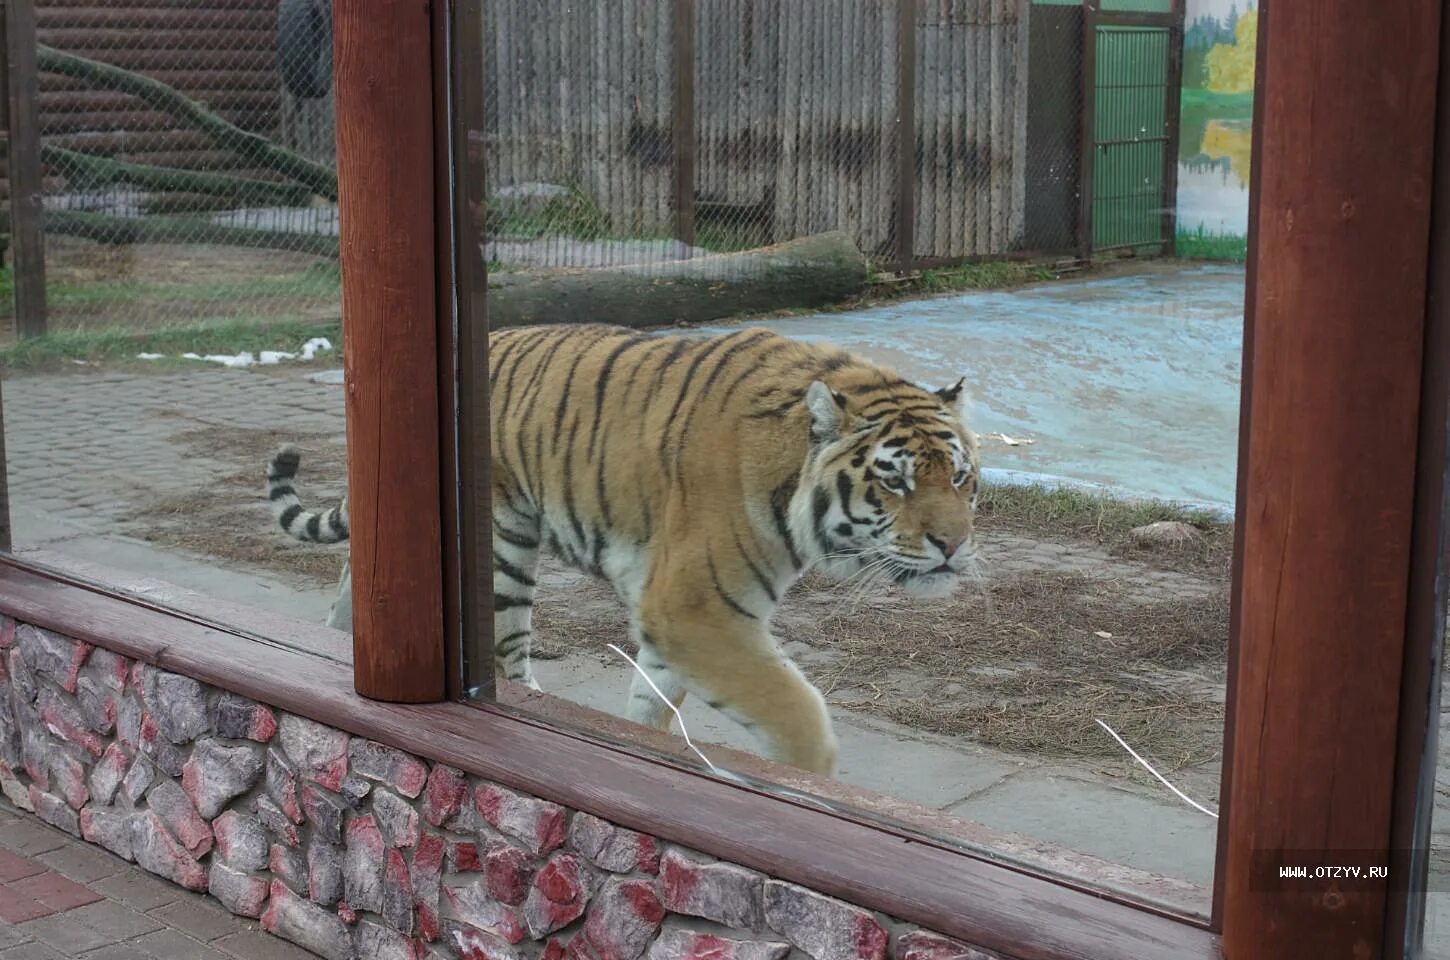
column 1132, row 80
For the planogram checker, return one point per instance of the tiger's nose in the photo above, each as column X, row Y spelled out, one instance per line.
column 947, row 545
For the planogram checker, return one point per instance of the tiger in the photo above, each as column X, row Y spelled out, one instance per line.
column 700, row 475
column 328, row 526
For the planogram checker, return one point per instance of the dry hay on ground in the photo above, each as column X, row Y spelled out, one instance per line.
column 1016, row 663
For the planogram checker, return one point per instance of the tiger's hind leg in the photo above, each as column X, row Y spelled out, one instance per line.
column 515, row 564
column 340, row 616
column 738, row 669
column 646, row 706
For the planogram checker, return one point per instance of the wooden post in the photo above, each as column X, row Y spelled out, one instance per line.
column 682, row 117
column 384, row 80
column 905, row 134
column 1334, row 354
column 27, row 213
column 1087, row 138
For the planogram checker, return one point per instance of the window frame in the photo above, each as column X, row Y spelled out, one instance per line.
column 413, row 616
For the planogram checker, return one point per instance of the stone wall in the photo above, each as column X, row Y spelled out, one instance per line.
column 349, row 848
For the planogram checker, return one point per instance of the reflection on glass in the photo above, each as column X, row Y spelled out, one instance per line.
column 764, row 511
column 189, row 304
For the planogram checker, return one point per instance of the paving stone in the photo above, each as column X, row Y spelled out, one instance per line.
column 94, row 925
column 196, row 917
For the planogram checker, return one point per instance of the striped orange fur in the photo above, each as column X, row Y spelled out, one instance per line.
column 700, row 476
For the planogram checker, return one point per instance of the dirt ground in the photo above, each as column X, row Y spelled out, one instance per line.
column 1070, row 619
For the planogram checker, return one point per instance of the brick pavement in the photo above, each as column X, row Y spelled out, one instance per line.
column 62, row 897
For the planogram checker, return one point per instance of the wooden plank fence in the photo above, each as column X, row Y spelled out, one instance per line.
column 795, row 116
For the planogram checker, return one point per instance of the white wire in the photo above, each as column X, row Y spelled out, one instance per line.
column 1183, row 796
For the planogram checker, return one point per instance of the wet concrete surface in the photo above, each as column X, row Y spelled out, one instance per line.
column 1126, row 381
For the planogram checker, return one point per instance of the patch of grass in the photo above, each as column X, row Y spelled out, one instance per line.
column 226, row 336
column 1108, row 522
column 989, row 275
column 574, row 214
column 1200, row 244
column 118, row 293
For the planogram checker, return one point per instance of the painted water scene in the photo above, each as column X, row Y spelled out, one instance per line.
column 1217, row 108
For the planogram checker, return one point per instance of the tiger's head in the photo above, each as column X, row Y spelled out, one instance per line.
column 888, row 490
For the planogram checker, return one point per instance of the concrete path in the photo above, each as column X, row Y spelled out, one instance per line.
column 1130, row 381
column 62, row 897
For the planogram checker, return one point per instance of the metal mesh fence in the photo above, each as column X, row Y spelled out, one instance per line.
column 185, row 161
column 796, row 113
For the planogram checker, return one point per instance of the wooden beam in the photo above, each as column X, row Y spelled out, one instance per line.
column 1328, row 459
column 383, row 57
column 27, row 213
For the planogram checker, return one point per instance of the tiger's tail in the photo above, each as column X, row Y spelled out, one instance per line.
column 313, row 526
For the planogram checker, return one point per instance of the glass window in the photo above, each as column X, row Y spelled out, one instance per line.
column 903, row 470
column 172, row 304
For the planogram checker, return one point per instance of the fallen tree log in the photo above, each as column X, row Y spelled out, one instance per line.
column 85, row 171
column 103, row 228
column 809, row 272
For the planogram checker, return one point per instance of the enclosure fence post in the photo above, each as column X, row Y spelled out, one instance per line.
column 682, row 117
column 1088, row 136
column 27, row 212
column 905, row 134
column 1171, row 111
column 389, row 257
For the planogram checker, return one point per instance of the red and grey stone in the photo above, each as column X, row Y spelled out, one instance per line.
column 54, row 811
column 238, row 718
column 559, row 894
column 721, row 892
column 156, row 850
column 176, row 810
column 178, row 704
column 404, row 773
column 169, row 757
column 138, row 780
column 680, row 944
column 324, row 872
column 397, row 892
column 68, row 777
column 354, row 791
column 15, row 791
column 313, row 928
column 107, row 774
column 64, row 719
column 22, row 678
column 362, row 865
column 277, row 823
column 541, row 826
column 282, row 784
column 373, row 940
column 242, row 841
column 470, row 943
column 920, row 945
column 470, row 904
column 612, row 847
column 324, row 811
column 129, row 714
column 51, row 655
column 319, row 752
column 96, row 703
column 397, row 818
column 623, row 919
column 109, row 828
column 508, row 871
column 216, row 774
column 289, row 865
column 444, row 795
column 111, row 669
column 426, row 874
column 243, row 893
column 821, row 926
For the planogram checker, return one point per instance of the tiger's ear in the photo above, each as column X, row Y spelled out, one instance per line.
column 954, row 396
column 828, row 412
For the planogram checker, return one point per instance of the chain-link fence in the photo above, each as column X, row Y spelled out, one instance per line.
column 183, row 154
column 798, row 115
